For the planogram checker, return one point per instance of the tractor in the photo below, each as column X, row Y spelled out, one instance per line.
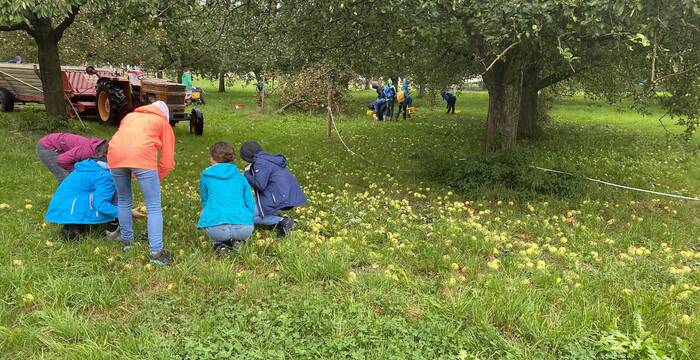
column 117, row 96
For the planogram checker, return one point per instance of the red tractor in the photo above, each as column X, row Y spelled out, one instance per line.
column 117, row 96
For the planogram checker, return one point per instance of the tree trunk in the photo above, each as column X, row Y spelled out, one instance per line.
column 367, row 83
column 50, row 71
column 421, row 90
column 528, row 125
column 222, row 81
column 504, row 82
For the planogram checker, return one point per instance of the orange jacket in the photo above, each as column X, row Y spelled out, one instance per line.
column 141, row 134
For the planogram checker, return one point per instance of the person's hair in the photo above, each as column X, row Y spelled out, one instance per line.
column 222, row 152
column 101, row 150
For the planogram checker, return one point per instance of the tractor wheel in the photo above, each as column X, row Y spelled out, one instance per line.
column 112, row 103
column 197, row 122
column 7, row 100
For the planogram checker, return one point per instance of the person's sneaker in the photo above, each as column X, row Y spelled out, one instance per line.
column 285, row 227
column 127, row 245
column 161, row 258
column 228, row 248
column 112, row 235
column 70, row 233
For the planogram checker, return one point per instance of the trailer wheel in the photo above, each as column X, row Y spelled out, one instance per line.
column 197, row 122
column 7, row 100
column 112, row 103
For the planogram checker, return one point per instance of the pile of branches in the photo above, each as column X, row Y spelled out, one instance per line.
column 308, row 90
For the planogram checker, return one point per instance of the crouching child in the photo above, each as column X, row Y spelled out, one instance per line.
column 277, row 190
column 227, row 201
column 84, row 198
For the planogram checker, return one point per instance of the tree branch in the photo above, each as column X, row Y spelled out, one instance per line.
column 691, row 68
column 500, row 56
column 14, row 27
column 74, row 9
column 556, row 77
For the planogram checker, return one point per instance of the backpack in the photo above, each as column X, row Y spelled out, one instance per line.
column 400, row 96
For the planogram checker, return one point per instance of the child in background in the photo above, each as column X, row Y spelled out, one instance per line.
column 227, row 201
column 450, row 99
column 276, row 188
column 405, row 100
column 378, row 106
column 390, row 95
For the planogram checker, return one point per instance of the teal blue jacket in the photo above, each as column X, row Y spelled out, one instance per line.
column 226, row 197
column 84, row 197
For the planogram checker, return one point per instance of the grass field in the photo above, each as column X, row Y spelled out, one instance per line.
column 389, row 263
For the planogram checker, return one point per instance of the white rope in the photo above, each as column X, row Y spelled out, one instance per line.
column 616, row 185
column 338, row 132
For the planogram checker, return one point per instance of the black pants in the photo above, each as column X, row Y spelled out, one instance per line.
column 451, row 104
column 403, row 106
column 380, row 112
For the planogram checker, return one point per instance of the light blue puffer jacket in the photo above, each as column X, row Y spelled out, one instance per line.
column 84, row 197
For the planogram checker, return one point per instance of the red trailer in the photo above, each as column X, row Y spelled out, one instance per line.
column 94, row 91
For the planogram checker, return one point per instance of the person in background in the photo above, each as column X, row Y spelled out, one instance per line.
column 405, row 99
column 17, row 60
column 450, row 99
column 187, row 81
column 379, row 89
column 276, row 189
column 134, row 151
column 390, row 95
column 227, row 201
column 60, row 151
column 83, row 199
column 378, row 105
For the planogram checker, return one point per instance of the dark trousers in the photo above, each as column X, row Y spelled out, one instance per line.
column 403, row 107
column 50, row 159
column 451, row 104
column 389, row 112
column 380, row 112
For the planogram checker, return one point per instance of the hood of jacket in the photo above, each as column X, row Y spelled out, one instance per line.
column 88, row 166
column 95, row 142
column 278, row 159
column 221, row 171
column 151, row 109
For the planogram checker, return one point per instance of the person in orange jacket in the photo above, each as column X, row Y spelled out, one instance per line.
column 133, row 150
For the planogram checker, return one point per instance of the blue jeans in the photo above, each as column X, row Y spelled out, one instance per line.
column 150, row 187
column 220, row 233
column 268, row 219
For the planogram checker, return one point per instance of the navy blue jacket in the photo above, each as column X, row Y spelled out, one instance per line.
column 447, row 96
column 380, row 90
column 277, row 189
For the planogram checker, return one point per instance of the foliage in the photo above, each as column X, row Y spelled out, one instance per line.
column 507, row 170
column 308, row 89
column 640, row 345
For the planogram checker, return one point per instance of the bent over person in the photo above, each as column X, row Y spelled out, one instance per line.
column 60, row 151
column 134, row 151
column 84, row 198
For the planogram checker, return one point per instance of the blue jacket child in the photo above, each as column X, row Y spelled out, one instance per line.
column 226, row 197
column 227, row 201
column 276, row 188
column 84, row 197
